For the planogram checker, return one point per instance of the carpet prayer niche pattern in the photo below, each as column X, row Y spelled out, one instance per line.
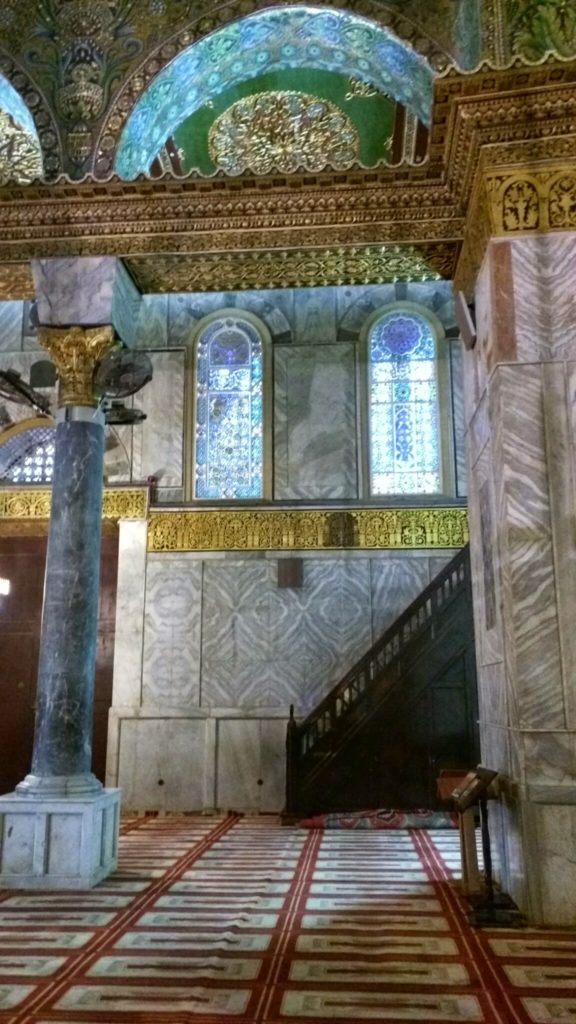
column 230, row 919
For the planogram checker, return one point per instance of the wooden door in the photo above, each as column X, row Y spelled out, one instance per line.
column 22, row 561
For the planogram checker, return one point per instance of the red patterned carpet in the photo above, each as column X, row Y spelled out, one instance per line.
column 212, row 919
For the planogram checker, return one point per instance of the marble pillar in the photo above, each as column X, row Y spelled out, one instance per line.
column 61, row 762
column 520, row 393
column 59, row 828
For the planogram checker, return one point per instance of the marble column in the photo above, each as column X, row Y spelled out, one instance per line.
column 59, row 828
column 61, row 761
column 520, row 385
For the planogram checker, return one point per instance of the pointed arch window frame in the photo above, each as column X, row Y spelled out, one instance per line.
column 20, row 430
column 236, row 313
column 443, row 402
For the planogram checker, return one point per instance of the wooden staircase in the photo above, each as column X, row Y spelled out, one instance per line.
column 405, row 710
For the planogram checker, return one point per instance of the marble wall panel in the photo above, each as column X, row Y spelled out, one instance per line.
column 265, row 646
column 30, row 326
column 558, row 390
column 544, row 267
column 485, row 563
column 126, row 304
column 162, row 764
column 493, row 696
column 550, row 760
column 158, row 441
column 395, row 583
column 152, row 326
column 553, row 883
column 315, row 316
column 478, row 435
column 118, row 453
column 251, row 765
column 171, row 669
column 495, row 747
column 275, row 307
column 273, row 764
column 456, row 353
column 238, row 769
column 11, row 321
column 438, row 296
column 184, row 312
column 130, row 597
column 474, row 361
column 74, row 290
column 356, row 303
column 530, row 610
column 315, row 448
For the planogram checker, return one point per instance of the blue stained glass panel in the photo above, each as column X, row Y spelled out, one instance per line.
column 229, row 422
column 404, row 427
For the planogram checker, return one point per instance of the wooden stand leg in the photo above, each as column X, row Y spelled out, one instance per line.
column 471, row 879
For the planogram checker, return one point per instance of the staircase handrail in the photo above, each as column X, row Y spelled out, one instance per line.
column 409, row 625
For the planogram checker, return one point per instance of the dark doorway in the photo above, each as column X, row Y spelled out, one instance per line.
column 22, row 562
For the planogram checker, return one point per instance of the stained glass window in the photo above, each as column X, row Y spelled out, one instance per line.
column 404, row 426
column 28, row 456
column 229, row 451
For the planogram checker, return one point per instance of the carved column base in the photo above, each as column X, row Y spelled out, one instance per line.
column 59, row 786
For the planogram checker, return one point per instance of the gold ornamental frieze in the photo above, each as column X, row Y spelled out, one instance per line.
column 296, row 268
column 521, row 202
column 33, row 503
column 510, row 202
column 298, row 530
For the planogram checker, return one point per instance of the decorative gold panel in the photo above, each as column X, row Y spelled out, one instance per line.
column 512, row 202
column 288, row 530
column 283, row 131
column 297, row 268
column 29, row 503
column 16, row 281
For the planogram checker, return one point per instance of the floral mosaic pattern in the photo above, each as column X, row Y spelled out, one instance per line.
column 20, row 152
column 403, row 402
column 538, row 26
column 283, row 130
column 270, row 41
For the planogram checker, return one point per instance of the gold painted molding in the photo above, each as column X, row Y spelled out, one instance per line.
column 508, row 202
column 286, row 230
column 295, row 268
column 33, row 503
column 293, row 530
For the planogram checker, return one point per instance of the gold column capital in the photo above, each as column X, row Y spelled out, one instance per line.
column 75, row 352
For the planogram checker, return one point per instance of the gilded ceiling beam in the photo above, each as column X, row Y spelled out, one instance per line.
column 328, row 227
column 295, row 268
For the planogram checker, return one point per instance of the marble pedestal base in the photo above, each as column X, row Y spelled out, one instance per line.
column 58, row 843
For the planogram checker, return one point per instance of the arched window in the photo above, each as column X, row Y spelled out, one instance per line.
column 229, row 450
column 27, row 453
column 405, row 452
